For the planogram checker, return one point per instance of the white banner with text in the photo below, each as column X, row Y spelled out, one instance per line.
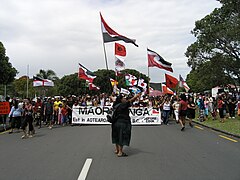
column 97, row 115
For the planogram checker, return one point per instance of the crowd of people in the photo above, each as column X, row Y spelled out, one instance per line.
column 50, row 111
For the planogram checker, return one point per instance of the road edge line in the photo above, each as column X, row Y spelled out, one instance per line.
column 198, row 127
column 230, row 139
column 218, row 130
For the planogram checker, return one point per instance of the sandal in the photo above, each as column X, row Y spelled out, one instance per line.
column 122, row 155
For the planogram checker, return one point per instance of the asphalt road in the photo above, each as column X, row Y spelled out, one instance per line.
column 156, row 153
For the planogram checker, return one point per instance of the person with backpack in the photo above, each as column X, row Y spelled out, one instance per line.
column 121, row 128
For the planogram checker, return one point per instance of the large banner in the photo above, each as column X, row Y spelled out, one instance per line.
column 97, row 115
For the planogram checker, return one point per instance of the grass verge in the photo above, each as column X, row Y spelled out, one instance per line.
column 230, row 125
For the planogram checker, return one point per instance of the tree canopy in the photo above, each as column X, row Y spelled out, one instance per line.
column 71, row 85
column 7, row 71
column 216, row 50
column 48, row 74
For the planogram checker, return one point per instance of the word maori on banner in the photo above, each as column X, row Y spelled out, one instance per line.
column 97, row 115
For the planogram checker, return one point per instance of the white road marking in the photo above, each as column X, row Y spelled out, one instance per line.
column 85, row 169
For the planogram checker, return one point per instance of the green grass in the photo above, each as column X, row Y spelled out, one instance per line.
column 229, row 125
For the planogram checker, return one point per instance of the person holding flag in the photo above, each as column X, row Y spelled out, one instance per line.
column 121, row 129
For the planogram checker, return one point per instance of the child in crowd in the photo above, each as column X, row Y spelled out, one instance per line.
column 64, row 112
column 60, row 114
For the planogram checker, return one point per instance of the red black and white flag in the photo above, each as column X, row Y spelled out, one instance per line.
column 84, row 73
column 183, row 84
column 37, row 81
column 171, row 81
column 109, row 35
column 93, row 87
column 154, row 59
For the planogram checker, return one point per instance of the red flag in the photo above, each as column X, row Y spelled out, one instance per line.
column 183, row 84
column 171, row 81
column 120, row 50
column 166, row 90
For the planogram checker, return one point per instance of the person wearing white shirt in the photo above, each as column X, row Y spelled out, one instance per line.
column 166, row 109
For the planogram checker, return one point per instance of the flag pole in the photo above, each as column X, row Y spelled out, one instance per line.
column 148, row 76
column 105, row 55
column 104, row 49
column 148, row 82
column 178, row 84
column 27, row 78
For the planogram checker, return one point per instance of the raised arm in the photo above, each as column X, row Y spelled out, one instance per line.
column 134, row 97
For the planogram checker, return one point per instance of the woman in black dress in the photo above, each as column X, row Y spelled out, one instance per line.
column 121, row 129
column 191, row 110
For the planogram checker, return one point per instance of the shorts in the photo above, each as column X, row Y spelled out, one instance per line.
column 183, row 113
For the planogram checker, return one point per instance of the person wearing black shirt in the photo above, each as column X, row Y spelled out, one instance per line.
column 231, row 106
column 121, row 129
column 191, row 110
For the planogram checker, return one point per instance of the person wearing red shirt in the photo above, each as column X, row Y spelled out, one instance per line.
column 37, row 110
column 183, row 105
column 64, row 112
column 220, row 108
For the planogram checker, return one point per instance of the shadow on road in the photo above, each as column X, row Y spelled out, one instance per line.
column 134, row 151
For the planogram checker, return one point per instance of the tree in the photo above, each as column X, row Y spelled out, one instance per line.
column 71, row 85
column 103, row 80
column 20, row 87
column 207, row 75
column 48, row 74
column 104, row 75
column 7, row 71
column 218, row 37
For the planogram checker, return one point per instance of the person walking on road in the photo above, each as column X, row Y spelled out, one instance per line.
column 182, row 110
column 166, row 109
column 48, row 112
column 176, row 109
column 121, row 129
column 28, row 120
column 16, row 116
column 191, row 107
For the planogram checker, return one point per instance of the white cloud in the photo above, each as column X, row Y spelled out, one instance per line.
column 57, row 34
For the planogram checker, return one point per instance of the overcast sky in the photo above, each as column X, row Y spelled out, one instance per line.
column 59, row 34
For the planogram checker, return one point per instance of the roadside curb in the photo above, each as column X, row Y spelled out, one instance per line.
column 218, row 130
column 2, row 129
